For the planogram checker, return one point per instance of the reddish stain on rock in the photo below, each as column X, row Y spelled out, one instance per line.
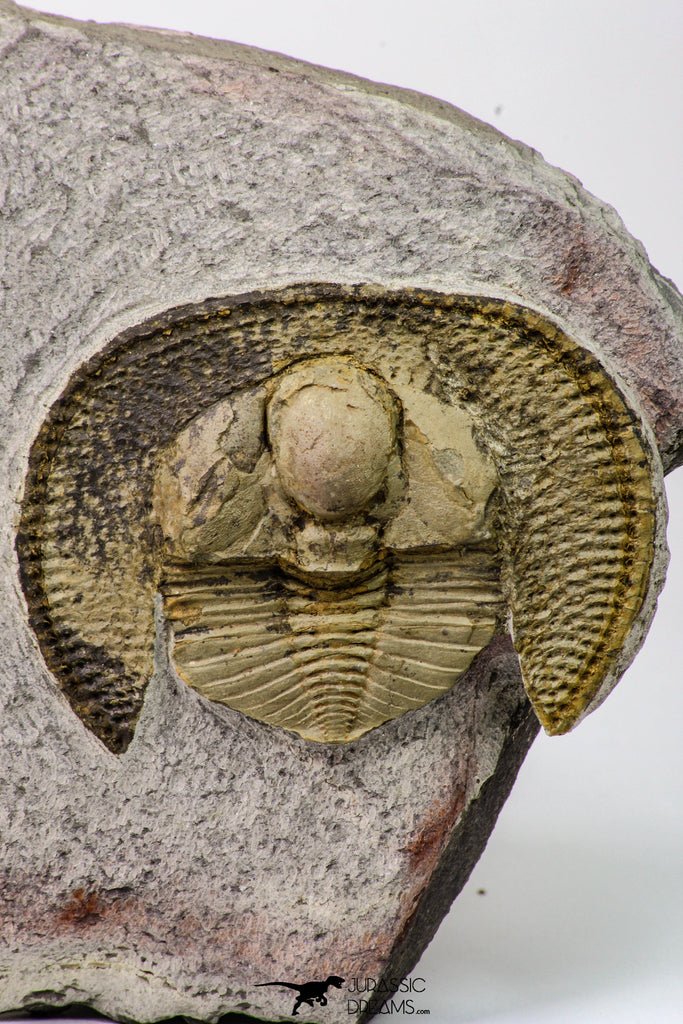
column 113, row 908
column 83, row 909
column 577, row 268
column 427, row 843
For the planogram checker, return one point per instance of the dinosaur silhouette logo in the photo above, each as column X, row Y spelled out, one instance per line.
column 310, row 993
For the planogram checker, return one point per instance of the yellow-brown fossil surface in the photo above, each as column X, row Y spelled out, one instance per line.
column 329, row 565
column 341, row 495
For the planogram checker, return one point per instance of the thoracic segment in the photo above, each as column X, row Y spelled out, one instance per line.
column 332, row 663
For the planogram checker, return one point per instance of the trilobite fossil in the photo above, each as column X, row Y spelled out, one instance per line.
column 341, row 495
column 330, row 561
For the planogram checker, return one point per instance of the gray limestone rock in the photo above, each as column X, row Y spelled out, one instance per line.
column 141, row 171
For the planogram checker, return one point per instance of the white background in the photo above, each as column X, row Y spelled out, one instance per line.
column 581, row 919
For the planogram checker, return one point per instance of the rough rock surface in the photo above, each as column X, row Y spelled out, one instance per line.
column 140, row 171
